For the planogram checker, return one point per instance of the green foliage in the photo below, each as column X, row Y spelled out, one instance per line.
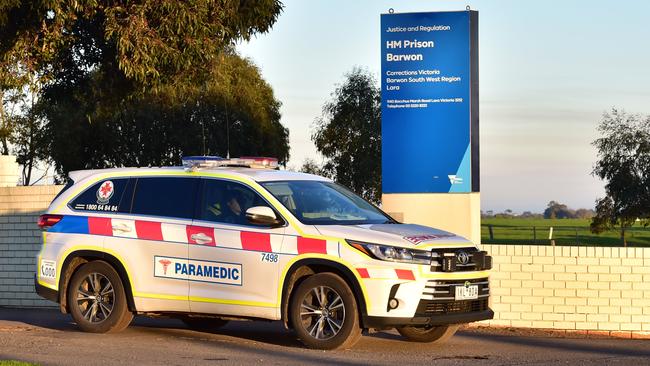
column 156, row 129
column 151, row 42
column 556, row 210
column 16, row 363
column 624, row 164
column 310, row 166
column 136, row 82
column 349, row 135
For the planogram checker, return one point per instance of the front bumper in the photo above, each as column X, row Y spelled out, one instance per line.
column 44, row 292
column 380, row 322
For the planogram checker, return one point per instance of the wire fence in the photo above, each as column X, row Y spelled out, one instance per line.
column 562, row 235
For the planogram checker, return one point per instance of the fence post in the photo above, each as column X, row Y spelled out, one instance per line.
column 576, row 236
column 491, row 233
column 550, row 235
column 534, row 235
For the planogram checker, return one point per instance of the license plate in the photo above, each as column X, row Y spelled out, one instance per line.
column 466, row 293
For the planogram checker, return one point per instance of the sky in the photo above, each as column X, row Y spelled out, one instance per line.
column 547, row 72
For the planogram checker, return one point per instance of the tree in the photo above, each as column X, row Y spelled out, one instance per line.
column 310, row 166
column 234, row 108
column 151, row 42
column 624, row 164
column 128, row 50
column 556, row 210
column 348, row 135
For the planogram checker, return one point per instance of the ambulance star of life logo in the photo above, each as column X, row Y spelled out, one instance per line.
column 105, row 192
column 165, row 263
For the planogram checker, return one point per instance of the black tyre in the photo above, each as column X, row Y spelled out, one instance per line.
column 97, row 300
column 204, row 324
column 428, row 334
column 324, row 313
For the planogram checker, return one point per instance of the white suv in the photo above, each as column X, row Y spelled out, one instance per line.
column 224, row 239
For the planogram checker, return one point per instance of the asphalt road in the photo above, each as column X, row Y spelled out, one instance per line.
column 49, row 338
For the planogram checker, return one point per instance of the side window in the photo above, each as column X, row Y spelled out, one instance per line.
column 227, row 202
column 168, row 196
column 109, row 195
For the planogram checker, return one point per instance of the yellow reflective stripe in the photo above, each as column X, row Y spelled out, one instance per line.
column 99, row 249
column 250, row 182
column 233, row 302
column 348, row 265
column 124, row 174
column 149, row 295
column 45, row 284
column 445, row 245
column 204, row 299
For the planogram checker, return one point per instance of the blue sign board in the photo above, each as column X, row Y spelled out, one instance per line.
column 429, row 91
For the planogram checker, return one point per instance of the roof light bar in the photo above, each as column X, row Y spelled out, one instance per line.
column 259, row 162
column 194, row 163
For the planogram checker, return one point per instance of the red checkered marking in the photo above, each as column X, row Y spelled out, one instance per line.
column 100, row 226
column 260, row 242
column 148, row 230
column 363, row 273
column 405, row 274
column 310, row 245
column 195, row 234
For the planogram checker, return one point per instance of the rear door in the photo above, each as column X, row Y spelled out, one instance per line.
column 233, row 264
column 151, row 240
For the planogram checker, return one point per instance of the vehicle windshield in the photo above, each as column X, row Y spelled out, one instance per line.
column 325, row 203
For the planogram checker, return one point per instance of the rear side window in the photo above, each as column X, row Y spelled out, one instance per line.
column 69, row 183
column 168, row 196
column 108, row 195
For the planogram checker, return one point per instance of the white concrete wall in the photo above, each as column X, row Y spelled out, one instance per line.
column 583, row 289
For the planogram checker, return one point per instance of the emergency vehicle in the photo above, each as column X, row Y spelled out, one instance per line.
column 225, row 239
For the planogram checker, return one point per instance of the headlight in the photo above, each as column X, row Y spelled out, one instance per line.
column 392, row 254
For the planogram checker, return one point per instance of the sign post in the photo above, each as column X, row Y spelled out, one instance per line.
column 430, row 140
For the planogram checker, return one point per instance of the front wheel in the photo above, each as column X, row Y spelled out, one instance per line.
column 97, row 300
column 428, row 334
column 324, row 313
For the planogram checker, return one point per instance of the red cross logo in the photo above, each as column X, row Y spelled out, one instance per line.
column 106, row 189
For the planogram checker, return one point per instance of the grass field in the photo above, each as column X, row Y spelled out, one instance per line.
column 565, row 232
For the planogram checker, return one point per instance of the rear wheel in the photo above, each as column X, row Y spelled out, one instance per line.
column 204, row 324
column 324, row 313
column 97, row 300
column 428, row 334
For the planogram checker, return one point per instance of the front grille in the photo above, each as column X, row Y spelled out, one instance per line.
column 438, row 254
column 428, row 308
column 446, row 289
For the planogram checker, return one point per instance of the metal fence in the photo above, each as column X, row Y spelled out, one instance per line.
column 562, row 235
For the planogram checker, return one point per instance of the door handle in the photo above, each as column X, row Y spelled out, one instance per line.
column 122, row 227
column 201, row 238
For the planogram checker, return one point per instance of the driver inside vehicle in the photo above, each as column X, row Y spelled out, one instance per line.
column 233, row 212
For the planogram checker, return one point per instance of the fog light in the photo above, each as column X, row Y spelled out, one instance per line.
column 393, row 304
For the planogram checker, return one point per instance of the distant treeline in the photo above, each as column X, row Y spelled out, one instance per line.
column 554, row 210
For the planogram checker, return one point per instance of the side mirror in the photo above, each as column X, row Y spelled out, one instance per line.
column 262, row 215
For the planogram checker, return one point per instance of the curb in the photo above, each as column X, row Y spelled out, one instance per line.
column 563, row 333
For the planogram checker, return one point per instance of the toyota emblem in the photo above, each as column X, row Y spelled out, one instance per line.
column 462, row 257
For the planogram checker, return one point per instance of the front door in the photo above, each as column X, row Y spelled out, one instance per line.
column 233, row 264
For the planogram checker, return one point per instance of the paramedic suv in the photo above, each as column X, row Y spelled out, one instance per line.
column 221, row 239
